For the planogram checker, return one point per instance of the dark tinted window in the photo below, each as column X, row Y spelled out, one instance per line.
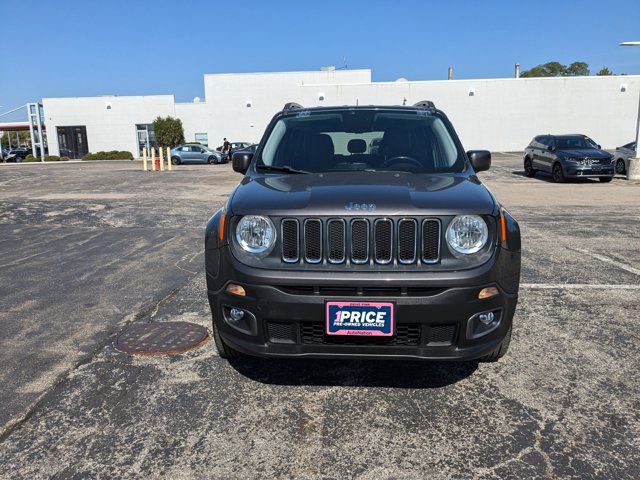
column 321, row 141
column 573, row 142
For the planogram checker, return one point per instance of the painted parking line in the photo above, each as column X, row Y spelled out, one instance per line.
column 608, row 260
column 578, row 286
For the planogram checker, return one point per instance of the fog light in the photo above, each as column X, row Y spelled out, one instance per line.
column 236, row 290
column 485, row 318
column 238, row 314
column 488, row 292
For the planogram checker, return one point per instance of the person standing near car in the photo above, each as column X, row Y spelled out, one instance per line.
column 226, row 148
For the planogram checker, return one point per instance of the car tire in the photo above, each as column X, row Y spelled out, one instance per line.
column 621, row 169
column 175, row 160
column 605, row 179
column 211, row 160
column 558, row 173
column 529, row 171
column 500, row 351
column 224, row 350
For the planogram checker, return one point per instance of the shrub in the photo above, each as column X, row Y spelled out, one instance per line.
column 30, row 158
column 51, row 158
column 111, row 155
column 64, row 159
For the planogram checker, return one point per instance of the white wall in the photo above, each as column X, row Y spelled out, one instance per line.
column 107, row 129
column 227, row 96
column 502, row 115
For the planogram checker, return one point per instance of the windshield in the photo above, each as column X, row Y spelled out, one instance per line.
column 362, row 140
column 569, row 143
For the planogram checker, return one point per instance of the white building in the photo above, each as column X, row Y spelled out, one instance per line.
column 497, row 114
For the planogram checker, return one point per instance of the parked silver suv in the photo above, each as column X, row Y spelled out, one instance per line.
column 195, row 153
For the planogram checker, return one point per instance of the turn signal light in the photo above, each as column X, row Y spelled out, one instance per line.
column 223, row 217
column 488, row 292
column 236, row 290
column 503, row 228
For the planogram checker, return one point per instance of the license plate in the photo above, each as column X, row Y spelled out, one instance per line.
column 369, row 319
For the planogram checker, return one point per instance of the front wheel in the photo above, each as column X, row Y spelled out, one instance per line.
column 175, row 160
column 621, row 169
column 500, row 351
column 558, row 174
column 605, row 179
column 211, row 160
column 528, row 169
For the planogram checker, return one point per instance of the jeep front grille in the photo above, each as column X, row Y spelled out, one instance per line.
column 360, row 240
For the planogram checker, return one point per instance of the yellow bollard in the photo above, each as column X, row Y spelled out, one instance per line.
column 144, row 159
column 161, row 159
column 169, row 166
column 153, row 158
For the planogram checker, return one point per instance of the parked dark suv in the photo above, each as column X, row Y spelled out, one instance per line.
column 567, row 156
column 326, row 249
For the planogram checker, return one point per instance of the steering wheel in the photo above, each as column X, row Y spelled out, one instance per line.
column 401, row 159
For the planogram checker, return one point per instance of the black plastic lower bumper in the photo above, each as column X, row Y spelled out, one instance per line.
column 285, row 316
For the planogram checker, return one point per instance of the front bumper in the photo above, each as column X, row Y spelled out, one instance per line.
column 573, row 171
column 286, row 312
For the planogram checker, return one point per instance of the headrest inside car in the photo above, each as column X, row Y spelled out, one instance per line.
column 357, row 145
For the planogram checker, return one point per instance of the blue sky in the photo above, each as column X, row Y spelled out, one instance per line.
column 157, row 47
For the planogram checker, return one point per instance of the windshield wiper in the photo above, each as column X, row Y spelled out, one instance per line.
column 280, row 168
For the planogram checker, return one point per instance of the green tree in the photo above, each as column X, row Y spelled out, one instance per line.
column 168, row 131
column 604, row 72
column 549, row 69
column 24, row 138
column 577, row 69
column 556, row 69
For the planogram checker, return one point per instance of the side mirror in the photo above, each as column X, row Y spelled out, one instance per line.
column 480, row 159
column 241, row 161
column 599, row 147
column 550, row 148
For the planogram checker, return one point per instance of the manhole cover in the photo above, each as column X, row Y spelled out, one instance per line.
column 163, row 338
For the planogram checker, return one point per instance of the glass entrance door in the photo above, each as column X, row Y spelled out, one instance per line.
column 72, row 141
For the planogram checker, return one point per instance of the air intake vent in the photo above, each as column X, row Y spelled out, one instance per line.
column 290, row 240
column 313, row 241
column 383, row 231
column 360, row 241
column 430, row 241
column 336, row 240
column 407, row 236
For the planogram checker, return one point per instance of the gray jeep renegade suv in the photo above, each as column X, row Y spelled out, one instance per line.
column 332, row 248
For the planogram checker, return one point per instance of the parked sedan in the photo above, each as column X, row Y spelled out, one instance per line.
column 17, row 154
column 567, row 156
column 195, row 153
column 235, row 146
column 621, row 157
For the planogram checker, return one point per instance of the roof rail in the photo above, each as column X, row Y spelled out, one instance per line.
column 292, row 106
column 427, row 104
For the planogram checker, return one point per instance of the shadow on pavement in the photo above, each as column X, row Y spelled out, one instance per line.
column 353, row 373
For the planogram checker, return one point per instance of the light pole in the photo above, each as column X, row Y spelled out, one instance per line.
column 633, row 166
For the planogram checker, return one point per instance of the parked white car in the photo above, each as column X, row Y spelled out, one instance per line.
column 621, row 157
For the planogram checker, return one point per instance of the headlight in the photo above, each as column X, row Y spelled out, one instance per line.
column 256, row 234
column 467, row 234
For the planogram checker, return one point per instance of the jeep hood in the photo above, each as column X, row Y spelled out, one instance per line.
column 345, row 193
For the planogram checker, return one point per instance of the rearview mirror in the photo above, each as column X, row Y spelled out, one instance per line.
column 241, row 161
column 480, row 159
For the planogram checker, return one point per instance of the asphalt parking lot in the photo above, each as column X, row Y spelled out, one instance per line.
column 88, row 248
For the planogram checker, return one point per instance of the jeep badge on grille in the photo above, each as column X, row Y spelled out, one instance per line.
column 364, row 207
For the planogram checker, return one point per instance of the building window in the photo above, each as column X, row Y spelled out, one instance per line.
column 202, row 139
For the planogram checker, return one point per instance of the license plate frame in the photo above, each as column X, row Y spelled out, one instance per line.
column 381, row 324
